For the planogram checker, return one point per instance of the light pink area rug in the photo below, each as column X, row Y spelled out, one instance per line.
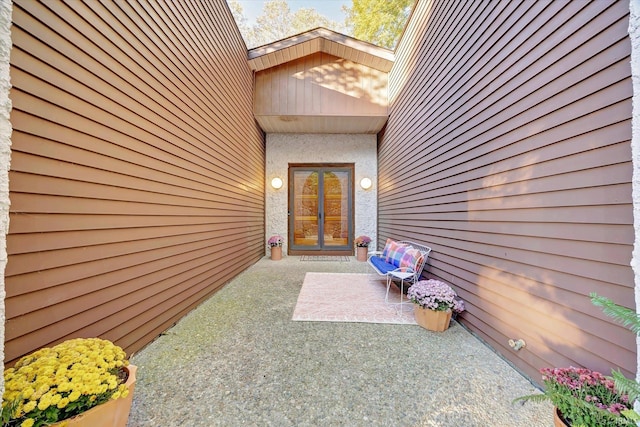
column 350, row 297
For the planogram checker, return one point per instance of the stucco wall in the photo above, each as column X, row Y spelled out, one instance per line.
column 5, row 155
column 634, row 34
column 283, row 149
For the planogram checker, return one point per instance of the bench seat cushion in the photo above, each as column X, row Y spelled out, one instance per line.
column 381, row 265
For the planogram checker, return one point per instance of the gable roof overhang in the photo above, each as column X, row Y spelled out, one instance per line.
column 332, row 119
column 320, row 40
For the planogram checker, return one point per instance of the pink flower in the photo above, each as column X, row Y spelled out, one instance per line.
column 435, row 295
column 275, row 241
column 362, row 241
column 592, row 388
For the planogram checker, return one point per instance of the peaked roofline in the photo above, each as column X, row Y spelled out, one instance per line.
column 320, row 40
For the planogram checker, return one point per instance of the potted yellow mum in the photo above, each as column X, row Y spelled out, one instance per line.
column 80, row 382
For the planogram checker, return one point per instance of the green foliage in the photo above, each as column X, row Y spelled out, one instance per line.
column 627, row 317
column 380, row 22
column 630, row 320
column 571, row 398
column 631, row 415
column 583, row 397
column 277, row 21
column 627, row 386
column 238, row 16
column 7, row 412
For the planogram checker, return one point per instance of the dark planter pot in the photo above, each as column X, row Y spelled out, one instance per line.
column 558, row 421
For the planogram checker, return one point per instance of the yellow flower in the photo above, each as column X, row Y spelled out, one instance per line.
column 75, row 395
column 55, row 398
column 63, row 403
column 51, row 378
column 27, row 392
column 28, row 422
column 42, row 388
column 27, row 372
column 29, row 406
column 10, row 396
column 44, row 404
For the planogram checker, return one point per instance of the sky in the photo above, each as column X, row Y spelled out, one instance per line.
column 332, row 9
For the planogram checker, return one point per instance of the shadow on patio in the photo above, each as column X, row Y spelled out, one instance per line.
column 239, row 359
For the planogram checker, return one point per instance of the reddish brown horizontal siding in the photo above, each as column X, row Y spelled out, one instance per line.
column 321, row 84
column 136, row 165
column 507, row 150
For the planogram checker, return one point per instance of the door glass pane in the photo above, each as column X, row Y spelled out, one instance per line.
column 336, row 208
column 305, row 209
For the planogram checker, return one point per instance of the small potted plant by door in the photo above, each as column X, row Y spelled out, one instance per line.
column 434, row 303
column 83, row 382
column 275, row 243
column 362, row 247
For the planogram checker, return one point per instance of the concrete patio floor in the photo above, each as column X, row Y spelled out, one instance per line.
column 239, row 360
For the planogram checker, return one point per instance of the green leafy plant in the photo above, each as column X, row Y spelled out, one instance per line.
column 587, row 398
column 631, row 320
column 57, row 383
column 583, row 397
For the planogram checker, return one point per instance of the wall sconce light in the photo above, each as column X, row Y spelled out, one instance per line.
column 365, row 183
column 276, row 183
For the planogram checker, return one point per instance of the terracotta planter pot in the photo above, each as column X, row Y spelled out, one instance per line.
column 558, row 421
column 432, row 320
column 113, row 413
column 276, row 253
column 361, row 253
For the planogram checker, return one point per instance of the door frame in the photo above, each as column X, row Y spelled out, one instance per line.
column 321, row 168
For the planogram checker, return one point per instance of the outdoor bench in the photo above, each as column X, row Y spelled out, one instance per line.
column 401, row 261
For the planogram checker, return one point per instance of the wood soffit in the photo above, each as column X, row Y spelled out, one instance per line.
column 320, row 40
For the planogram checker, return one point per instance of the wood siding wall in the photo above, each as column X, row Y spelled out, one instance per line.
column 333, row 94
column 137, row 173
column 508, row 150
column 321, row 84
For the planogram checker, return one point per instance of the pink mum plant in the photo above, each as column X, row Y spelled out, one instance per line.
column 275, row 241
column 363, row 241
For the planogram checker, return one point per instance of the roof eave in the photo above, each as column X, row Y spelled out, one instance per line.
column 320, row 40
